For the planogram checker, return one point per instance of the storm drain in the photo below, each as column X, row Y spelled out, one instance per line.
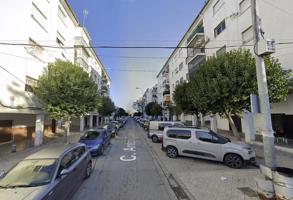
column 248, row 191
column 178, row 190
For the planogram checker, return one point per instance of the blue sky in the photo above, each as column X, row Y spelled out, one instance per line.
column 135, row 23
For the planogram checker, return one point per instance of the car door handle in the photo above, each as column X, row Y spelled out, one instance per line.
column 50, row 193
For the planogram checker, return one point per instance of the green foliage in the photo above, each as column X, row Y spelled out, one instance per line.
column 278, row 80
column 121, row 112
column 137, row 114
column 105, row 106
column 66, row 90
column 223, row 84
column 153, row 109
column 182, row 99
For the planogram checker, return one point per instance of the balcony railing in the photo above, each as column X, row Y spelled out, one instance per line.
column 192, row 53
column 82, row 62
column 194, row 64
column 197, row 32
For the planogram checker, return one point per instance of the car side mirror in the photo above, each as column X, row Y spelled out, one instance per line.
column 64, row 172
column 228, row 139
column 2, row 173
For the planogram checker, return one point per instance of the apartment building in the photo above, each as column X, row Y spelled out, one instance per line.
column 40, row 24
column 223, row 25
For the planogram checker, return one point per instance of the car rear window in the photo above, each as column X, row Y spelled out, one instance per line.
column 90, row 135
column 163, row 125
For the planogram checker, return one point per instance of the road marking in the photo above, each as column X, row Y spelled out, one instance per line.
column 132, row 158
column 130, row 147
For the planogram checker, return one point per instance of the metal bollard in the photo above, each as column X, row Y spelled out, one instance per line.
column 13, row 148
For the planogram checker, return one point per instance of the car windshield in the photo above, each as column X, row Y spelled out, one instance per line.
column 30, row 173
column 90, row 135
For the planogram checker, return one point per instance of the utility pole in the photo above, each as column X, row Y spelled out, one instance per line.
column 266, row 121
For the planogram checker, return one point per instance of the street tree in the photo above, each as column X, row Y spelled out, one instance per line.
column 121, row 112
column 223, row 84
column 66, row 91
column 182, row 99
column 153, row 109
column 105, row 106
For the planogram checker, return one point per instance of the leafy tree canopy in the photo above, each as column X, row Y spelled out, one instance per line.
column 121, row 112
column 223, row 84
column 182, row 99
column 153, row 109
column 105, row 106
column 66, row 90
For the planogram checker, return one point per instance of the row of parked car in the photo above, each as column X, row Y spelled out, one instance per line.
column 98, row 139
column 180, row 140
column 56, row 172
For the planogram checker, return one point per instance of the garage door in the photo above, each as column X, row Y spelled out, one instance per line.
column 5, row 130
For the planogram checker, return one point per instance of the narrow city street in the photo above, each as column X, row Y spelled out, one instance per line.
column 127, row 170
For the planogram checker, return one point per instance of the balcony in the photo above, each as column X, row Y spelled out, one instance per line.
column 82, row 62
column 196, row 35
column 166, row 98
column 195, row 63
column 193, row 54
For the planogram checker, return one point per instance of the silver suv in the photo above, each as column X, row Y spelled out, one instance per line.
column 156, row 129
column 206, row 144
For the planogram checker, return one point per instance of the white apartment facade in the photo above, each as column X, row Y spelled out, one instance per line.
column 223, row 25
column 40, row 24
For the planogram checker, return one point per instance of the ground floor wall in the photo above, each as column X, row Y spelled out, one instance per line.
column 16, row 127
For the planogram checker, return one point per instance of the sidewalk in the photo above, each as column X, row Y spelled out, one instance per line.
column 211, row 180
column 8, row 159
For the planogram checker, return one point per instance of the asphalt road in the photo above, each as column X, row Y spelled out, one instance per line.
column 127, row 170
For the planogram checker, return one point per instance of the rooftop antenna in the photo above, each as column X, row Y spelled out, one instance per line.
column 85, row 14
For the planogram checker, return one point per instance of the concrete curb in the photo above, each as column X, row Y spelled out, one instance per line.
column 172, row 180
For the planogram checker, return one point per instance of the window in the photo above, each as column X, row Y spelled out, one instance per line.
column 62, row 16
column 204, row 136
column 221, row 51
column 67, row 161
column 179, row 134
column 180, row 66
column 247, row 35
column 183, row 134
column 220, row 28
column 217, row 6
column 30, row 84
column 78, row 152
column 163, row 125
column 39, row 17
column 60, row 39
column 244, row 5
column 171, row 133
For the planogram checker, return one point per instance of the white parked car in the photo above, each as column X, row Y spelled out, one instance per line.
column 206, row 144
column 156, row 129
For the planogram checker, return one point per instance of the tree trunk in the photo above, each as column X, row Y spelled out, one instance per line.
column 67, row 127
column 233, row 127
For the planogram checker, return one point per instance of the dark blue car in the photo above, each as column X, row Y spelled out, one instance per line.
column 96, row 141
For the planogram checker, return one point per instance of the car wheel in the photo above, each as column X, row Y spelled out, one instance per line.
column 155, row 139
column 88, row 170
column 233, row 161
column 172, row 152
